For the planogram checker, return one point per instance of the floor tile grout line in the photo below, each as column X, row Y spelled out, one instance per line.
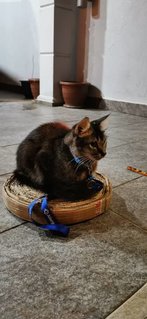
column 9, row 145
column 120, row 112
column 13, row 227
column 127, row 143
column 129, row 220
column 124, row 183
column 127, row 299
column 129, row 124
column 110, row 147
column 121, row 216
column 6, row 174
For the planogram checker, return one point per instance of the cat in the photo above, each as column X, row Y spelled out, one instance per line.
column 57, row 160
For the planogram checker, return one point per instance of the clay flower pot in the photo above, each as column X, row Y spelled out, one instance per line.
column 74, row 93
column 34, row 85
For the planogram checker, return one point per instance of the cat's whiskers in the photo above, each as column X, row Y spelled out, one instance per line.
column 84, row 161
column 78, row 166
column 81, row 161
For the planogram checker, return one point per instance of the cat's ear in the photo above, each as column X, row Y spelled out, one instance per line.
column 101, row 123
column 83, row 127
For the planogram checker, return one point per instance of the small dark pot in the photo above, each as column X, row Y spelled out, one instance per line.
column 26, row 90
column 74, row 93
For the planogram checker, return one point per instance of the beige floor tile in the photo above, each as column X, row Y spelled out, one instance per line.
column 133, row 308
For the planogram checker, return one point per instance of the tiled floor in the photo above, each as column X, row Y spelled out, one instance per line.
column 137, row 303
column 104, row 261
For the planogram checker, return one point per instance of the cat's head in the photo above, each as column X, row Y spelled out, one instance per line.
column 88, row 139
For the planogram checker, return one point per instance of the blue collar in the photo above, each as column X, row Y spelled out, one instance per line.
column 92, row 182
column 77, row 159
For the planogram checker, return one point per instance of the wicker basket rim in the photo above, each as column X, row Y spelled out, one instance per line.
column 59, row 203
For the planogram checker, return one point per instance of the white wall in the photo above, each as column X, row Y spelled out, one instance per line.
column 117, row 57
column 19, row 38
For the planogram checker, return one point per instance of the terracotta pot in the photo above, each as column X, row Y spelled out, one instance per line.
column 35, row 85
column 74, row 93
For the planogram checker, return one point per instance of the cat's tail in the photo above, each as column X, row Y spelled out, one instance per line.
column 23, row 180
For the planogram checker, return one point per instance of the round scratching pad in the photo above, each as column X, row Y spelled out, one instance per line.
column 17, row 198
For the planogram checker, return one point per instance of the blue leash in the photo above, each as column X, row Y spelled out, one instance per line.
column 52, row 224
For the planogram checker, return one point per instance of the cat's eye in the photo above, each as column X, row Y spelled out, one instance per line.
column 93, row 145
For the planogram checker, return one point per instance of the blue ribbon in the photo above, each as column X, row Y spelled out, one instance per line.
column 51, row 225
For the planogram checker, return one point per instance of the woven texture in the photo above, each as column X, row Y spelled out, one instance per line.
column 18, row 197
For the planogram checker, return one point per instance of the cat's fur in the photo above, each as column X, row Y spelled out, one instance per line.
column 45, row 159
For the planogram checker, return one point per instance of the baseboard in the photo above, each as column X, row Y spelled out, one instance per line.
column 48, row 100
column 118, row 106
column 127, row 107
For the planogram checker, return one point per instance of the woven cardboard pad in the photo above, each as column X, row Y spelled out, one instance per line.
column 17, row 198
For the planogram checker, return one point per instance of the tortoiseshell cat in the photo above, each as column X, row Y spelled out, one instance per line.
column 46, row 159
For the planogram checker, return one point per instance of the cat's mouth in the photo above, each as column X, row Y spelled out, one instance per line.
column 100, row 156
